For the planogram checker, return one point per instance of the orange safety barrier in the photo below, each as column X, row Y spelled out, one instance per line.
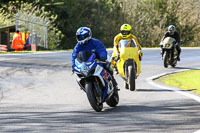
column 33, row 47
column 3, row 48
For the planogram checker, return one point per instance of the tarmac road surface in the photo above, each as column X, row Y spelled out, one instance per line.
column 39, row 94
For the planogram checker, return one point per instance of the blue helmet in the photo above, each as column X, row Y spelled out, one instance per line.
column 83, row 35
column 171, row 29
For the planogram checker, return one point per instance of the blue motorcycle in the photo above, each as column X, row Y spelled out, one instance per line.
column 95, row 81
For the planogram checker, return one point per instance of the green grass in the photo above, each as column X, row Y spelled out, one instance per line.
column 189, row 80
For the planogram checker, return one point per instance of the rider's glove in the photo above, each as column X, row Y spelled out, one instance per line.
column 161, row 44
column 102, row 59
column 117, row 57
column 140, row 54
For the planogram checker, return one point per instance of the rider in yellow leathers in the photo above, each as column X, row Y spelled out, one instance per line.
column 125, row 34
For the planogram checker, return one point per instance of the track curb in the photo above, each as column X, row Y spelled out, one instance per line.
column 177, row 90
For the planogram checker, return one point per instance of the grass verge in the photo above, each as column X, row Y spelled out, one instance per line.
column 188, row 80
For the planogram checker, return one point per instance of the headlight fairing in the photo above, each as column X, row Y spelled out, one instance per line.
column 85, row 70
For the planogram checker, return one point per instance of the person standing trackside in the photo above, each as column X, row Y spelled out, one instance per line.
column 17, row 42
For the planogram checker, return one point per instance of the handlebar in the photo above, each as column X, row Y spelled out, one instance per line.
column 99, row 61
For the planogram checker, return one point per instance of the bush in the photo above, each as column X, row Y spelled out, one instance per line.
column 150, row 19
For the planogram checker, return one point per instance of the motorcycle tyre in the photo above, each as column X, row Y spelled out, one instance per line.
column 92, row 99
column 174, row 65
column 113, row 100
column 131, row 77
column 166, row 59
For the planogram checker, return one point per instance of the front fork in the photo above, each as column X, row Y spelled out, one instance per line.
column 126, row 64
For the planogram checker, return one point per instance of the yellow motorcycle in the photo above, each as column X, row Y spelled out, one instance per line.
column 170, row 52
column 128, row 63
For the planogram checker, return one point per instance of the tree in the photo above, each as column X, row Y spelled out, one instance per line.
column 150, row 19
column 8, row 12
column 102, row 16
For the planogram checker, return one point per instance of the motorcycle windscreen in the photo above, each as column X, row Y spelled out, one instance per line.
column 168, row 42
column 85, row 56
column 128, row 49
column 127, row 43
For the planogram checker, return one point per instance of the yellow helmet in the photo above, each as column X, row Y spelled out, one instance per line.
column 125, row 30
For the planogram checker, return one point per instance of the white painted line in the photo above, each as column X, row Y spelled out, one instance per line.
column 198, row 131
column 194, row 97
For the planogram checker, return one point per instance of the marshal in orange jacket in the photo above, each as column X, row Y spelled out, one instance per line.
column 19, row 40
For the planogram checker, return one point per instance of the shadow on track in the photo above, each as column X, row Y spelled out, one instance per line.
column 129, row 117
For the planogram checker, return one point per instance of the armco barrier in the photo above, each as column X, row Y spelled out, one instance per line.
column 33, row 47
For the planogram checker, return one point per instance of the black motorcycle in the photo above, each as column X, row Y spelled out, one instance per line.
column 170, row 53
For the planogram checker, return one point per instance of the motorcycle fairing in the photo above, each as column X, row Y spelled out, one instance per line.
column 126, row 54
column 98, row 72
column 168, row 43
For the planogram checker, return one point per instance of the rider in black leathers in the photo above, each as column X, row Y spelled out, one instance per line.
column 174, row 34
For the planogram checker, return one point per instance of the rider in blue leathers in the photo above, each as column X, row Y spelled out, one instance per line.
column 93, row 45
column 87, row 43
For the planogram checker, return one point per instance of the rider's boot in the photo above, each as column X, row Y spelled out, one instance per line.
column 178, row 58
column 115, row 84
column 126, row 85
column 179, row 52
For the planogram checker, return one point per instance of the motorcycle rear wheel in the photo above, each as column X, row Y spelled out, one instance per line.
column 174, row 62
column 114, row 99
column 92, row 98
column 173, row 65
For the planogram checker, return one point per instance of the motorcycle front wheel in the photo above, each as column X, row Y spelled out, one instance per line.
column 174, row 60
column 92, row 98
column 166, row 59
column 131, row 77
